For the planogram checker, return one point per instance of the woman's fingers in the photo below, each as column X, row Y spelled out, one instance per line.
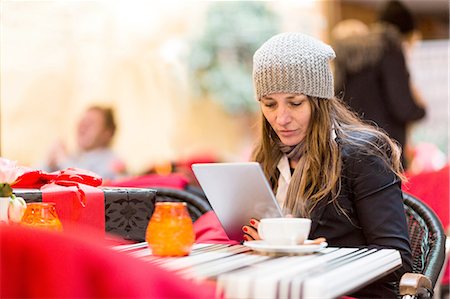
column 254, row 223
column 318, row 241
column 247, row 237
column 251, row 231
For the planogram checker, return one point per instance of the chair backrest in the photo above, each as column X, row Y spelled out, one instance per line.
column 427, row 238
column 197, row 205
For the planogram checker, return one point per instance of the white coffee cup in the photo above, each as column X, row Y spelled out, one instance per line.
column 284, row 231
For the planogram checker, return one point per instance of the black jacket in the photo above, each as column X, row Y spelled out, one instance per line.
column 372, row 198
column 373, row 78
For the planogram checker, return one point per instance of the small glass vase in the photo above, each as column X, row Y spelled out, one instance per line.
column 170, row 231
column 4, row 205
column 42, row 215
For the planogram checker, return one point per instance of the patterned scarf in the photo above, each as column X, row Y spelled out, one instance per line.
column 293, row 152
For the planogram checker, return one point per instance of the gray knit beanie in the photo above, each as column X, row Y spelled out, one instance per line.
column 293, row 63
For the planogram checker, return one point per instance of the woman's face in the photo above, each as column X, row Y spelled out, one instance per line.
column 288, row 114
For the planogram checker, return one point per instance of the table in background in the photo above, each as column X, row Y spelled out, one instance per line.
column 242, row 273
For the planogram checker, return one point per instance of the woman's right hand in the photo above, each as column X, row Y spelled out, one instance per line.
column 251, row 230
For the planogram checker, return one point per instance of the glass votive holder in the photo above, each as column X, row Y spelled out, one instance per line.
column 42, row 215
column 170, row 231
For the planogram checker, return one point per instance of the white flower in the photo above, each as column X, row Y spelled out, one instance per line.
column 9, row 171
column 16, row 209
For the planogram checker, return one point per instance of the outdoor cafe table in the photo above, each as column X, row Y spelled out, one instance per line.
column 240, row 272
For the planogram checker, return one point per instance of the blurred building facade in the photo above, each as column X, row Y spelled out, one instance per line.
column 59, row 57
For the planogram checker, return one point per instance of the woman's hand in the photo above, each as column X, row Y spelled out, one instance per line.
column 318, row 240
column 251, row 231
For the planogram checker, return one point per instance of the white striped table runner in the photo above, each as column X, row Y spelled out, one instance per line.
column 241, row 273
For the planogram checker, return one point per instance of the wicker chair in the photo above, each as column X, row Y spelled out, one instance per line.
column 197, row 205
column 428, row 249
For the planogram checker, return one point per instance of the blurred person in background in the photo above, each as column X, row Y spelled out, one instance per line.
column 95, row 132
column 372, row 74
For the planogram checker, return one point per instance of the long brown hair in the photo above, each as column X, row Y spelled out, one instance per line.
column 318, row 172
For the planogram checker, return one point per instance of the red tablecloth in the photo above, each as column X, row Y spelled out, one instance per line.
column 42, row 264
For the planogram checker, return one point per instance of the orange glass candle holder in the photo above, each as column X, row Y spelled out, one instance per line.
column 170, row 231
column 42, row 215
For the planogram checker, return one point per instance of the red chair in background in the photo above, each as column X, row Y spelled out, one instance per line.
column 43, row 264
column 172, row 180
column 433, row 189
column 176, row 174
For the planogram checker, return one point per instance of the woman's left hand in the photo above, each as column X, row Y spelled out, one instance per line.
column 251, row 231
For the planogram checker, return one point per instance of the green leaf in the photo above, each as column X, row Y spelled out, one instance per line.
column 5, row 190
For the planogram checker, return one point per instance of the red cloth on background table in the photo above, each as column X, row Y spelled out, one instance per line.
column 73, row 210
column 433, row 189
column 209, row 230
column 74, row 191
column 173, row 180
column 43, row 264
column 31, row 178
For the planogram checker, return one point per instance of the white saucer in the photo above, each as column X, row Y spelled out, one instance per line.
column 261, row 246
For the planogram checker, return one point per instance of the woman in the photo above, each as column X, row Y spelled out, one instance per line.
column 321, row 160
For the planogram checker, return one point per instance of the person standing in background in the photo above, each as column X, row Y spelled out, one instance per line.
column 95, row 132
column 372, row 74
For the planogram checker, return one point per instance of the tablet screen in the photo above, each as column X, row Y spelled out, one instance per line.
column 237, row 192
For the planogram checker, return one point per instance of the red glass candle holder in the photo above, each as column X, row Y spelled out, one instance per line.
column 170, row 231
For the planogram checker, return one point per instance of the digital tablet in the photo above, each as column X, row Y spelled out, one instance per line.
column 237, row 192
